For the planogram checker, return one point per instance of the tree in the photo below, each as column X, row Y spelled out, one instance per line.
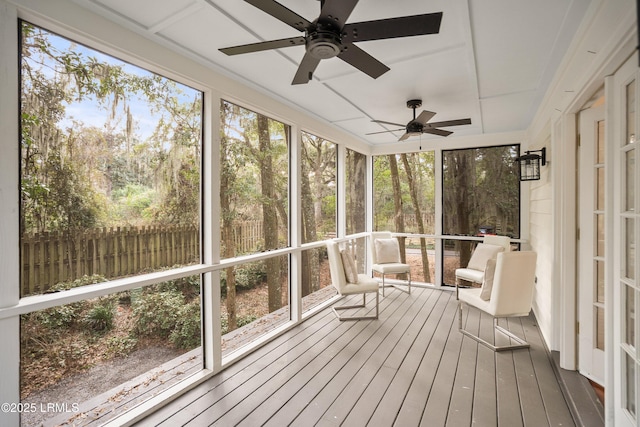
column 397, row 203
column 413, row 190
column 227, row 181
column 70, row 170
column 269, row 212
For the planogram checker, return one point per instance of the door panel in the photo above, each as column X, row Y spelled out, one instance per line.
column 591, row 202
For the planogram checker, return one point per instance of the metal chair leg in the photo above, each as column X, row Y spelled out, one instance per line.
column 364, row 303
column 521, row 343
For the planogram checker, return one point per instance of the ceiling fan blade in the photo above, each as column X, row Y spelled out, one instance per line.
column 338, row 10
column 405, row 136
column 405, row 26
column 364, row 62
column 384, row 131
column 260, row 46
column 305, row 70
column 440, row 132
column 450, row 123
column 425, row 116
column 387, row 123
column 281, row 13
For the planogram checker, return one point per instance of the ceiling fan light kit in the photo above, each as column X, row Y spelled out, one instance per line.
column 330, row 36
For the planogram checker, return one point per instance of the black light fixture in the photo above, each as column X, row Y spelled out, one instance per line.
column 530, row 164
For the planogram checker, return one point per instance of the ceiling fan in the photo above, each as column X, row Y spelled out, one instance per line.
column 419, row 124
column 329, row 35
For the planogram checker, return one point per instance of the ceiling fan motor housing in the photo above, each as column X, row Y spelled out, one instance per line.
column 324, row 41
column 414, row 127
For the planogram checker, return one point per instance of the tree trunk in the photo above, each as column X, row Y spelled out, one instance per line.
column 416, row 207
column 226, row 177
column 398, row 216
column 463, row 205
column 269, row 213
column 310, row 261
column 357, row 213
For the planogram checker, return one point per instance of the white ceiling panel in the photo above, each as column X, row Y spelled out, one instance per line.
column 148, row 12
column 491, row 61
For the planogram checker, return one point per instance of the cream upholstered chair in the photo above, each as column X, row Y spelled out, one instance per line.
column 385, row 257
column 359, row 283
column 488, row 249
column 505, row 292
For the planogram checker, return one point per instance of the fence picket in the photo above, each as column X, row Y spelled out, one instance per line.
column 52, row 257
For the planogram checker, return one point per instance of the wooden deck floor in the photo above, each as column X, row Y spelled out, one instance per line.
column 411, row 367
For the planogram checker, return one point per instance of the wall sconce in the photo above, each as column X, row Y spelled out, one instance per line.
column 530, row 164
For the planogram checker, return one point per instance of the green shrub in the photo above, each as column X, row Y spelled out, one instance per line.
column 186, row 334
column 157, row 313
column 120, row 346
column 63, row 316
column 241, row 321
column 251, row 275
column 100, row 317
column 248, row 276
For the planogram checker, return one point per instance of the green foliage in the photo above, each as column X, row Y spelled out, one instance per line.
column 157, row 313
column 100, row 317
column 78, row 177
column 242, row 321
column 120, row 346
column 248, row 276
column 63, row 316
column 66, row 316
column 132, row 203
column 186, row 333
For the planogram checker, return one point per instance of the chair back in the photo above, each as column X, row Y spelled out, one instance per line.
column 372, row 243
column 504, row 241
column 513, row 284
column 338, row 278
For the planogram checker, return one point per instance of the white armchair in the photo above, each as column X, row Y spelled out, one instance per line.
column 488, row 249
column 358, row 283
column 509, row 294
column 385, row 258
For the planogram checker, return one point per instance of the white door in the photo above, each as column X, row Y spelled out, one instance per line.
column 591, row 202
column 626, row 232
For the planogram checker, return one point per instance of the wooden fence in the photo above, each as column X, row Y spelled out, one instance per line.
column 50, row 258
column 248, row 236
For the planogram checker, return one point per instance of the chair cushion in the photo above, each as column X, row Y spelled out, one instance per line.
column 487, row 281
column 349, row 265
column 471, row 296
column 387, row 250
column 365, row 284
column 483, row 253
column 390, row 268
column 470, row 275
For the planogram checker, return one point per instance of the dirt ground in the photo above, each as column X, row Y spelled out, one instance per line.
column 98, row 379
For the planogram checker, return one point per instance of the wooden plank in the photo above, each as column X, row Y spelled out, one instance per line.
column 383, row 372
column 246, row 382
column 430, row 341
column 436, row 372
column 325, row 349
column 318, row 403
column 336, row 370
column 507, row 397
column 461, row 403
column 555, row 405
column 484, row 396
column 186, row 405
column 343, row 403
column 533, row 412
